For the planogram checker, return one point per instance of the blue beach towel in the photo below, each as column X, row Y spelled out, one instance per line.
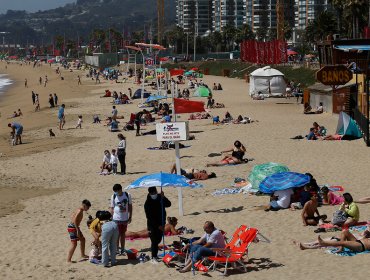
column 345, row 253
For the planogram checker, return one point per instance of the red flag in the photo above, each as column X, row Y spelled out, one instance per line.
column 183, row 106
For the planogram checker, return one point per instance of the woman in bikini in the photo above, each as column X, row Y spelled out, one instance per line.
column 169, row 229
column 345, row 239
column 236, row 157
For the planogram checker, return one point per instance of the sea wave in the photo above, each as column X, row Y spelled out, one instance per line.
column 4, row 81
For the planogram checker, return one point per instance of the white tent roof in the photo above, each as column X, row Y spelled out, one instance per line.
column 266, row 71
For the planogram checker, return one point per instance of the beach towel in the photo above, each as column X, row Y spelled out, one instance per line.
column 345, row 252
column 159, row 148
column 225, row 191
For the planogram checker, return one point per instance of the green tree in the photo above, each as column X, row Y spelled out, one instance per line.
column 244, row 33
column 321, row 26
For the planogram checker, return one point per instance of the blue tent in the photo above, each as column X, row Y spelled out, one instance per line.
column 283, row 181
column 348, row 127
column 154, row 98
column 137, row 94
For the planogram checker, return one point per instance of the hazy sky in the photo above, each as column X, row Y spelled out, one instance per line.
column 31, row 5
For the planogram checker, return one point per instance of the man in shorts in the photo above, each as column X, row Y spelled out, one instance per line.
column 75, row 234
column 121, row 209
column 61, row 116
column 17, row 130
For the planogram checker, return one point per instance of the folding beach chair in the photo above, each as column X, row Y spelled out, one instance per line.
column 236, row 250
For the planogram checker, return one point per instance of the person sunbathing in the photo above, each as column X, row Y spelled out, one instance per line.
column 236, row 157
column 194, row 174
column 333, row 137
column 169, row 229
column 330, row 198
column 345, row 239
column 107, row 94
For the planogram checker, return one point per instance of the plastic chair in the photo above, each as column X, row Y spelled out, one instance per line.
column 235, row 250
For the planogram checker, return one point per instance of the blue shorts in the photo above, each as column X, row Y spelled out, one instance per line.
column 19, row 131
column 274, row 205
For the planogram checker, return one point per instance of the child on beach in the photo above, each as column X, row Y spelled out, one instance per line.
column 74, row 231
column 79, row 122
column 114, row 161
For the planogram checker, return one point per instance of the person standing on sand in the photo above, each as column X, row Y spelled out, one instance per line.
column 55, row 99
column 33, row 97
column 61, row 116
column 25, row 83
column 79, row 80
column 75, row 234
column 40, row 81
column 37, row 102
column 51, row 101
column 121, row 152
column 121, row 209
column 155, row 211
column 114, row 113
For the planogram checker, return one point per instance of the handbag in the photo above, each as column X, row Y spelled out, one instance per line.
column 339, row 218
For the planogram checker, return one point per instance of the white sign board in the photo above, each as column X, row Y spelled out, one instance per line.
column 175, row 131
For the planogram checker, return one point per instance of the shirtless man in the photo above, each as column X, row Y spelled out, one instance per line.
column 74, row 231
column 309, row 210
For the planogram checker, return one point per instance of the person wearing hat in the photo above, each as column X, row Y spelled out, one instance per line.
column 155, row 211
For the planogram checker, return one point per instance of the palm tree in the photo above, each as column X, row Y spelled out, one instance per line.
column 321, row 26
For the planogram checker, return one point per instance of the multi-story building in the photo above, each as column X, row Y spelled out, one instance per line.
column 194, row 15
column 262, row 13
column 308, row 10
column 203, row 16
column 228, row 12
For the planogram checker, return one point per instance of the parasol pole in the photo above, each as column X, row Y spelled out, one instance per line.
column 177, row 152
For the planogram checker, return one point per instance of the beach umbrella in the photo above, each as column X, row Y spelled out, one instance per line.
column 154, row 98
column 283, row 181
column 188, row 73
column 261, row 171
column 163, row 180
column 202, row 92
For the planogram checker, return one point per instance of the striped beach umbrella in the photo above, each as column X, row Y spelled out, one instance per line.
column 283, row 181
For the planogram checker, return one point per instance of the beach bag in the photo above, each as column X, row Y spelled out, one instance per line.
column 339, row 218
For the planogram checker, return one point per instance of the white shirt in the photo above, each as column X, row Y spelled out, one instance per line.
column 121, row 213
column 106, row 159
column 79, row 121
column 122, row 144
column 283, row 197
column 113, row 159
column 215, row 238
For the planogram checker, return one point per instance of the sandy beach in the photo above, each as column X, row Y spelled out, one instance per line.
column 44, row 180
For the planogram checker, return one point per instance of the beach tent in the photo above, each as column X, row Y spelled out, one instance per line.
column 348, row 127
column 137, row 94
column 202, row 92
column 261, row 171
column 267, row 80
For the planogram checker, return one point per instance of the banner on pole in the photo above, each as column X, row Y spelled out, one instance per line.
column 176, row 131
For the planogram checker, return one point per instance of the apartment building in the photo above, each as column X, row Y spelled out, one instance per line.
column 228, row 12
column 307, row 10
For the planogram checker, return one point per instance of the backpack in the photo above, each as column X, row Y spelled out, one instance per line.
column 114, row 198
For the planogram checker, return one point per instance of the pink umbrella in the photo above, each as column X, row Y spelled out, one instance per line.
column 291, row 52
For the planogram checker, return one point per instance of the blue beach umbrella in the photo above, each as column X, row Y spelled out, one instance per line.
column 162, row 180
column 283, row 181
column 154, row 98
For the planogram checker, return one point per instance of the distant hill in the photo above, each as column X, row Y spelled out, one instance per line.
column 81, row 18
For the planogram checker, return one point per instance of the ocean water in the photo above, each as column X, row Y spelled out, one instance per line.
column 4, row 81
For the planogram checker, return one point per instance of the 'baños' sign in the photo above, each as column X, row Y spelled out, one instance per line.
column 334, row 75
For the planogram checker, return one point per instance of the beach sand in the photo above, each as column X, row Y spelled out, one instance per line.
column 65, row 170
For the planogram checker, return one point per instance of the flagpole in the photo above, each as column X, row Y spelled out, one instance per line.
column 177, row 152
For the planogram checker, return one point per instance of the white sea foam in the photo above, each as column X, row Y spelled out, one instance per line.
column 4, row 81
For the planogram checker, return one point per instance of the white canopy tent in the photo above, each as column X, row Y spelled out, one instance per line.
column 267, row 81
